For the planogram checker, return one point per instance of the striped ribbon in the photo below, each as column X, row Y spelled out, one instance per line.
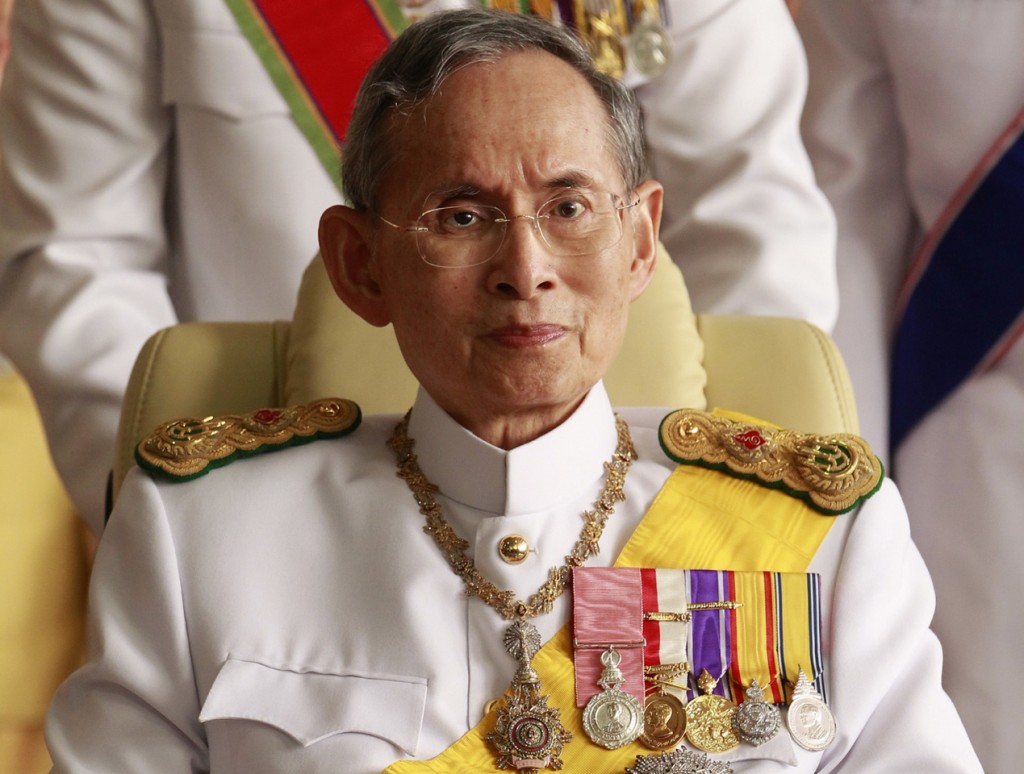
column 962, row 305
column 316, row 53
column 667, row 642
column 774, row 632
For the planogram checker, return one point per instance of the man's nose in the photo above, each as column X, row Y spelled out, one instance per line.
column 524, row 264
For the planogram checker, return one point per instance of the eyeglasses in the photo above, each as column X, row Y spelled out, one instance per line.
column 572, row 223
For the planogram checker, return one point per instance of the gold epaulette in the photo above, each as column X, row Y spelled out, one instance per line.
column 832, row 473
column 188, row 448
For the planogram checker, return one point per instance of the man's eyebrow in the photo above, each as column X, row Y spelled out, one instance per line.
column 462, row 190
column 572, row 179
column 569, row 179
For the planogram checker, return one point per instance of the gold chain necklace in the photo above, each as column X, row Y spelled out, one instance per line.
column 528, row 735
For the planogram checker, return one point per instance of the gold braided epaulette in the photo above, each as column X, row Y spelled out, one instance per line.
column 188, row 448
column 832, row 473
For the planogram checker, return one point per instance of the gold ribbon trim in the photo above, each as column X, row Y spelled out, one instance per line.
column 833, row 473
column 184, row 449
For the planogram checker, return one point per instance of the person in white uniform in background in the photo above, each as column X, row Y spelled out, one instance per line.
column 5, row 33
column 912, row 108
column 289, row 613
column 136, row 135
column 5, row 51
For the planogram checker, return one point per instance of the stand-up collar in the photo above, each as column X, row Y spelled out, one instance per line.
column 533, row 477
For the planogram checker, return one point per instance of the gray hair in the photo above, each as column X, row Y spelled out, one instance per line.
column 416, row 65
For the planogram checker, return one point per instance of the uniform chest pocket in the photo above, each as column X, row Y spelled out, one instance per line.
column 310, row 706
column 218, row 72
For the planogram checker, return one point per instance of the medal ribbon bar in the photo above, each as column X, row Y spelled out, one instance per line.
column 743, row 626
column 607, row 610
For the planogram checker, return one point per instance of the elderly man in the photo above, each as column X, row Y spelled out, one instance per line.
column 288, row 613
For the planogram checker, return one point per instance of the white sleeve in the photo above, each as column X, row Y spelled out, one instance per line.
column 744, row 218
column 133, row 707
column 886, row 663
column 853, row 134
column 84, row 143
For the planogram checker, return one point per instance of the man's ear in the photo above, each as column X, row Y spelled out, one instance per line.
column 646, row 226
column 345, row 247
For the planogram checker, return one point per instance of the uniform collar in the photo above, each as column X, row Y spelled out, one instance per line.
column 542, row 474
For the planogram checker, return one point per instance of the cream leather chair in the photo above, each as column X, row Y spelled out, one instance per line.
column 785, row 371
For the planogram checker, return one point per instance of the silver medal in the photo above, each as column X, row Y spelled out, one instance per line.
column 810, row 720
column 648, row 46
column 528, row 734
column 678, row 762
column 613, row 718
column 756, row 721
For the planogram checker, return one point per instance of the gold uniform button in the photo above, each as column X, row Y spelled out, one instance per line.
column 513, row 549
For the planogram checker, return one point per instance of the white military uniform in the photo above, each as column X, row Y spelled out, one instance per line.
column 905, row 99
column 152, row 173
column 288, row 613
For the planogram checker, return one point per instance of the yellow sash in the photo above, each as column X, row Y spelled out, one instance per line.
column 700, row 519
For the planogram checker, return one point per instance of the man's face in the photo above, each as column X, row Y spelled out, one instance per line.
column 514, row 344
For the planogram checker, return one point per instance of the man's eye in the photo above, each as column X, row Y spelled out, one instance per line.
column 568, row 209
column 460, row 219
column 456, row 220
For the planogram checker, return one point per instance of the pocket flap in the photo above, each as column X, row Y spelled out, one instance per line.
column 309, row 706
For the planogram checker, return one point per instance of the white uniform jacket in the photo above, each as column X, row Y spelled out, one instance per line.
column 150, row 173
column 905, row 100
column 288, row 613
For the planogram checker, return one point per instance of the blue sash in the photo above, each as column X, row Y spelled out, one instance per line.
column 962, row 306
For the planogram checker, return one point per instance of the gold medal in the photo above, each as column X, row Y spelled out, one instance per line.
column 664, row 712
column 603, row 31
column 709, row 719
column 664, row 721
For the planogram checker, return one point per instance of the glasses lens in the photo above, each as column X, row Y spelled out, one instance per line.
column 572, row 223
column 465, row 235
column 579, row 223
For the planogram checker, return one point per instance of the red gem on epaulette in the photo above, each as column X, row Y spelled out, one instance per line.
column 751, row 439
column 267, row 416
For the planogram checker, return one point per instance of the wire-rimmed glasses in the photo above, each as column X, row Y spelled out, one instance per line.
column 575, row 222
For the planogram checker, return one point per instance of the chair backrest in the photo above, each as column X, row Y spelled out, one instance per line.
column 782, row 370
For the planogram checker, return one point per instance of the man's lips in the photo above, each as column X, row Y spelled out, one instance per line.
column 527, row 335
